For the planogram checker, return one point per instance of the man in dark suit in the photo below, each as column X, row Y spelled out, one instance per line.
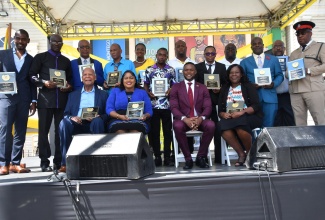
column 190, row 104
column 210, row 66
column 14, row 108
column 86, row 97
column 84, row 59
column 51, row 99
column 267, row 93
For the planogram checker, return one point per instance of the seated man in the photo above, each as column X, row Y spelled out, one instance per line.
column 190, row 104
column 72, row 123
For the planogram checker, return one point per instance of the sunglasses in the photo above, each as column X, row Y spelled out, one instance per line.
column 298, row 33
column 210, row 54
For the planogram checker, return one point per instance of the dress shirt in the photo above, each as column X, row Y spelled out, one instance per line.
column 87, row 99
column 213, row 66
column 83, row 61
column 123, row 66
column 193, row 88
column 227, row 63
column 262, row 55
column 19, row 62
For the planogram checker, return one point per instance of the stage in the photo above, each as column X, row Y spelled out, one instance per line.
column 219, row 192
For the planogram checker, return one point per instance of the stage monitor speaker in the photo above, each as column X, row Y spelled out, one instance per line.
column 283, row 149
column 103, row 156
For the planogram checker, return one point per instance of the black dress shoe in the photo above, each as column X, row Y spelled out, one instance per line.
column 201, row 162
column 158, row 161
column 46, row 169
column 188, row 165
column 168, row 162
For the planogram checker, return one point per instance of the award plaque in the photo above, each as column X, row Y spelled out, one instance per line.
column 179, row 74
column 296, row 69
column 58, row 76
column 159, row 86
column 135, row 110
column 8, row 83
column 82, row 67
column 113, row 78
column 89, row 113
column 283, row 62
column 262, row 76
column 212, row 81
column 235, row 106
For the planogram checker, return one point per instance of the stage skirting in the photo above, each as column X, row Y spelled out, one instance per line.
column 296, row 195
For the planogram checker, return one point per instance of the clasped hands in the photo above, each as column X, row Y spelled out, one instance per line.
column 126, row 118
column 270, row 86
column 226, row 115
column 193, row 122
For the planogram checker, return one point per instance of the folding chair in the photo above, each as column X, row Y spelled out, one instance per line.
column 179, row 156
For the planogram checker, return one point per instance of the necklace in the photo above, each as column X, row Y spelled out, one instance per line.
column 139, row 61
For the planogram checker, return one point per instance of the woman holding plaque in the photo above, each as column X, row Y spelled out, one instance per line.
column 239, row 111
column 126, row 102
column 140, row 63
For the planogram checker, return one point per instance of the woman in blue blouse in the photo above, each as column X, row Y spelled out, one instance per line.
column 236, row 127
column 117, row 103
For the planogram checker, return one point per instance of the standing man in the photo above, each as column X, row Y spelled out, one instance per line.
column 14, row 109
column 88, row 96
column 51, row 99
column 191, row 107
column 210, row 66
column 117, row 64
column 84, row 59
column 267, row 93
column 308, row 93
column 160, row 105
column 284, row 116
column 230, row 55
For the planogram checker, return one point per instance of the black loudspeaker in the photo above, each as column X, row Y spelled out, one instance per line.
column 288, row 148
column 103, row 156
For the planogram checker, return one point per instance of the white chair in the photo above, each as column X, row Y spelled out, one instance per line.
column 179, row 157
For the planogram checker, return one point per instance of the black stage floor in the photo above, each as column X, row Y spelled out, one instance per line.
column 219, row 192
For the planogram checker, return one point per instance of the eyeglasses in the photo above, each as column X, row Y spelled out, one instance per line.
column 56, row 42
column 302, row 33
column 84, row 47
column 210, row 54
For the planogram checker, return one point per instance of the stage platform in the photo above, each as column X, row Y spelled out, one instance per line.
column 219, row 192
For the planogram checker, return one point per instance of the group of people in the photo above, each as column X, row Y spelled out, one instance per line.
column 188, row 101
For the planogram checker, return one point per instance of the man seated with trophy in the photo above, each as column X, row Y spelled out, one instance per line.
column 84, row 113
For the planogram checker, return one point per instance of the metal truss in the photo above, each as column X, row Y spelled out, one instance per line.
column 46, row 21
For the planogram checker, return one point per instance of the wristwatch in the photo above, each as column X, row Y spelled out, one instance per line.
column 308, row 71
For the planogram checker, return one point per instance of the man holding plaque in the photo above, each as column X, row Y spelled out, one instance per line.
column 158, row 93
column 190, row 104
column 284, row 116
column 267, row 93
column 15, row 108
column 210, row 66
column 86, row 100
column 51, row 98
column 308, row 93
column 117, row 64
column 84, row 61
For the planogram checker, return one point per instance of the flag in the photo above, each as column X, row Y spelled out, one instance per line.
column 7, row 41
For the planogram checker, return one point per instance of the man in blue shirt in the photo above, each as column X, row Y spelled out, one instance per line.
column 117, row 64
column 89, row 96
column 84, row 59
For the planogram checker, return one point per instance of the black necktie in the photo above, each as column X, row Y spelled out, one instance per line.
column 303, row 47
column 209, row 69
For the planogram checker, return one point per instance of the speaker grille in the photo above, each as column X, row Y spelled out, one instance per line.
column 307, row 157
column 103, row 166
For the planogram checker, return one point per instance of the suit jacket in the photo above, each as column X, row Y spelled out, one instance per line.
column 270, row 61
column 180, row 104
column 76, row 82
column 26, row 90
column 219, row 69
column 316, row 64
column 73, row 103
